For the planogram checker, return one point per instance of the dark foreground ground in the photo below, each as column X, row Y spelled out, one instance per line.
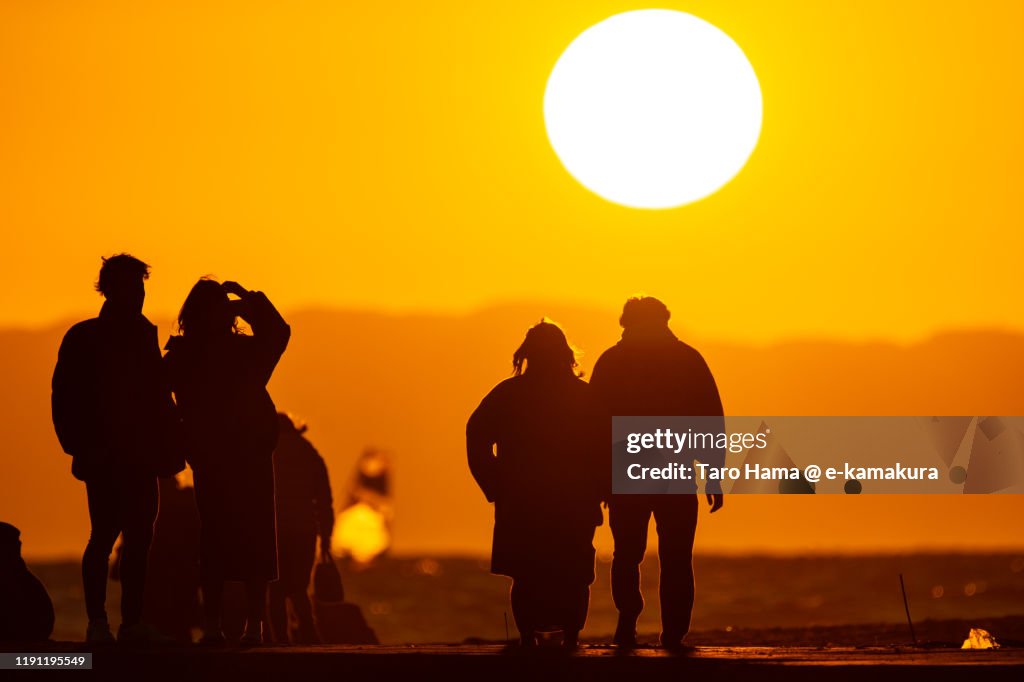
column 741, row 601
column 490, row 662
column 813, row 618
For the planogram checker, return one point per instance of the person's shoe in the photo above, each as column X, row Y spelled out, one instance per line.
column 625, row 633
column 141, row 634
column 251, row 638
column 675, row 646
column 213, row 638
column 528, row 640
column 99, row 632
column 527, row 644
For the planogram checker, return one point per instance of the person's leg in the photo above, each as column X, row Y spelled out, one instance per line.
column 138, row 510
column 212, row 586
column 296, row 553
column 676, row 523
column 576, row 602
column 255, row 604
column 211, row 568
column 523, row 611
column 628, row 520
column 102, row 500
column 277, row 612
column 306, row 631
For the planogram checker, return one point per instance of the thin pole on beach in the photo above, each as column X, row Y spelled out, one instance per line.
column 906, row 607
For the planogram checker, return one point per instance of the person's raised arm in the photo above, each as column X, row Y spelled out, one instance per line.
column 269, row 329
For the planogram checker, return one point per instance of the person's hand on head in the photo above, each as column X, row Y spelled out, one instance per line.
column 716, row 501
column 235, row 288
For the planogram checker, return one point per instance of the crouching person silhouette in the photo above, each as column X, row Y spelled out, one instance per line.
column 532, row 445
column 26, row 612
column 113, row 413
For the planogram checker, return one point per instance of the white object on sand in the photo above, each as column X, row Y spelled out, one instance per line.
column 980, row 639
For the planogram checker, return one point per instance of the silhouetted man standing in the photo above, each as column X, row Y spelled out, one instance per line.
column 652, row 373
column 113, row 413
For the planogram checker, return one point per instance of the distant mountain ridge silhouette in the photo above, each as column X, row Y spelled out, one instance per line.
column 346, row 372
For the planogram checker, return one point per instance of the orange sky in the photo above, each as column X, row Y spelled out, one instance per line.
column 393, row 155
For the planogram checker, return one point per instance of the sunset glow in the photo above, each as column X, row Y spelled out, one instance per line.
column 653, row 108
column 388, row 175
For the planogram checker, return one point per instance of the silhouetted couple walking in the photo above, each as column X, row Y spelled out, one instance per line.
column 114, row 413
column 539, row 446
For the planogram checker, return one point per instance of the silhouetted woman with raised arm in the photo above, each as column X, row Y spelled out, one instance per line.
column 219, row 377
column 534, row 448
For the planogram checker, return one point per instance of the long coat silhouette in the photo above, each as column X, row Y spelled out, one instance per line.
column 542, row 479
column 532, row 446
column 230, row 427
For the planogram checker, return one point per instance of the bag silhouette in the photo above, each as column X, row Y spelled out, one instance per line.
column 337, row 621
column 327, row 585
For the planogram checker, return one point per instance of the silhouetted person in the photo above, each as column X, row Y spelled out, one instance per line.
column 26, row 612
column 304, row 514
column 364, row 524
column 113, row 414
column 652, row 373
column 532, row 446
column 372, row 482
column 219, row 377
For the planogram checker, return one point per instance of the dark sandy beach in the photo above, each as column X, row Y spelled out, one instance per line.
column 759, row 617
column 742, row 601
column 591, row 662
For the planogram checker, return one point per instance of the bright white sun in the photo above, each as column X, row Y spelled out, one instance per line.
column 653, row 108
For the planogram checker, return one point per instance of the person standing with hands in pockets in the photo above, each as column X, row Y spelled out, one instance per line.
column 113, row 413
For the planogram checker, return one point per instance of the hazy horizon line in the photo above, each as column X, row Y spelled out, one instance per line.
column 469, row 312
column 796, row 554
